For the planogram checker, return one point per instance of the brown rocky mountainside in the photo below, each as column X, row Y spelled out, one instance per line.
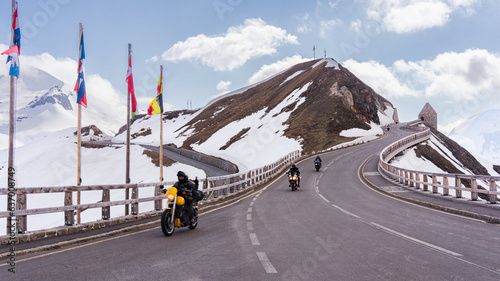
column 335, row 100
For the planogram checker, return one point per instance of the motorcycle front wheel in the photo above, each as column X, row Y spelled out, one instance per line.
column 293, row 186
column 167, row 225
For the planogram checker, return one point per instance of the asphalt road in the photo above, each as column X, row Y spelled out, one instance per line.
column 210, row 171
column 332, row 228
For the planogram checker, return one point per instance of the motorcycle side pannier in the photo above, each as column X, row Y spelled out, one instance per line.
column 198, row 195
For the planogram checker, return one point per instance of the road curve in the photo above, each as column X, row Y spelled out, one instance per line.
column 332, row 228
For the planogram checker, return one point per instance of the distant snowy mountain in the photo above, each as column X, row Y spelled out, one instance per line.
column 47, row 104
column 480, row 135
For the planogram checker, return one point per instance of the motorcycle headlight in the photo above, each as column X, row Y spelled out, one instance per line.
column 170, row 197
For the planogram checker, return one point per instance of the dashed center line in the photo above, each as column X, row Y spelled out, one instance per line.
column 268, row 266
column 266, row 263
column 253, row 238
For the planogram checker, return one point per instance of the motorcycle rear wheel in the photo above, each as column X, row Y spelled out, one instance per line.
column 167, row 226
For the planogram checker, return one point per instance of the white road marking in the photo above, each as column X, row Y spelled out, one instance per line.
column 346, row 212
column 253, row 238
column 323, row 197
column 251, row 203
column 249, row 225
column 249, row 217
column 415, row 240
column 316, row 188
column 249, row 210
column 268, row 266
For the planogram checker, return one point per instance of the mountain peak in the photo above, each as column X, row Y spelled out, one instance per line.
column 53, row 96
column 314, row 101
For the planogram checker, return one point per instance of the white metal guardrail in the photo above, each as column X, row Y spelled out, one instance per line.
column 443, row 182
column 212, row 187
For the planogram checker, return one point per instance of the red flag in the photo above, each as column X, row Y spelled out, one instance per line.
column 13, row 49
column 130, row 82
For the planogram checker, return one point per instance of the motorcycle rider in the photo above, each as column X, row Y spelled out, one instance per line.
column 185, row 183
column 295, row 170
column 318, row 159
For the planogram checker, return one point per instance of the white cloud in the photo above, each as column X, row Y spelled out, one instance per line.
column 417, row 16
column 223, row 85
column 269, row 70
column 253, row 39
column 356, row 25
column 305, row 24
column 333, row 5
column 326, row 26
column 407, row 16
column 472, row 74
column 380, row 78
column 153, row 59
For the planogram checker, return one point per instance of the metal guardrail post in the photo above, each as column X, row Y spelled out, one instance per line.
column 105, row 210
column 426, row 187
column 158, row 202
column 21, row 205
column 69, row 216
column 446, row 190
column 458, row 183
column 493, row 188
column 474, row 194
column 434, row 184
column 135, row 206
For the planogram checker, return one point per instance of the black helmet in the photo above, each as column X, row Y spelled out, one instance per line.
column 181, row 174
column 293, row 165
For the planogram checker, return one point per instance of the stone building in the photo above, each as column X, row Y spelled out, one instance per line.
column 395, row 116
column 428, row 116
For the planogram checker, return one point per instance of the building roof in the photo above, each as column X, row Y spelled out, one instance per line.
column 427, row 110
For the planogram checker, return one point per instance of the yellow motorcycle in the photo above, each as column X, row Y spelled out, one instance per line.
column 177, row 214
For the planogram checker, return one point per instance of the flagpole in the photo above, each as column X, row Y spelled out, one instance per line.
column 161, row 132
column 79, row 145
column 11, row 134
column 127, row 158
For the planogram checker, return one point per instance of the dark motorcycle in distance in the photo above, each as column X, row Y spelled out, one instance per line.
column 293, row 179
column 317, row 165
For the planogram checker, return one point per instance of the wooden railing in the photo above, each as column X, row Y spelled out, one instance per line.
column 212, row 187
column 424, row 180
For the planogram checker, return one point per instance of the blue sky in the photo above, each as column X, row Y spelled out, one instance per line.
column 446, row 52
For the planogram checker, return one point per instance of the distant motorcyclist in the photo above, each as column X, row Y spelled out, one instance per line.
column 294, row 170
column 318, row 159
column 185, row 183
